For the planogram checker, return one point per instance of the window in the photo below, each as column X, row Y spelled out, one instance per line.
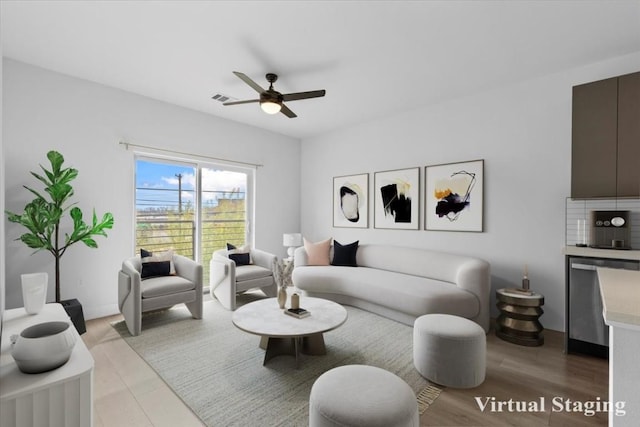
column 193, row 209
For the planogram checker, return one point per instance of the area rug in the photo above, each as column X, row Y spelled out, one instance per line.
column 217, row 370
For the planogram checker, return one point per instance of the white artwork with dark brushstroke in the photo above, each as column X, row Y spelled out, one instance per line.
column 350, row 201
column 397, row 199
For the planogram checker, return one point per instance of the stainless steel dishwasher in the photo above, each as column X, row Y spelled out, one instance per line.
column 586, row 331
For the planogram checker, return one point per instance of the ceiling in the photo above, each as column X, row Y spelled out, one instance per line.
column 373, row 58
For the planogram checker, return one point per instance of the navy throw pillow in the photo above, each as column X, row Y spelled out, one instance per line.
column 159, row 265
column 345, row 255
column 154, row 269
column 240, row 259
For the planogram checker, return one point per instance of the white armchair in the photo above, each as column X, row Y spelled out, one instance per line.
column 136, row 296
column 226, row 279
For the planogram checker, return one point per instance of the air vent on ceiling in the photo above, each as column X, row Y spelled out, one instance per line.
column 223, row 98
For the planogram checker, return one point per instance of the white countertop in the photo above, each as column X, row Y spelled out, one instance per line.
column 620, row 290
column 602, row 253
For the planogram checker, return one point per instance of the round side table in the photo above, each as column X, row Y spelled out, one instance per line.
column 518, row 320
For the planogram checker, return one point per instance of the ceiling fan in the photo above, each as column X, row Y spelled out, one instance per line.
column 271, row 101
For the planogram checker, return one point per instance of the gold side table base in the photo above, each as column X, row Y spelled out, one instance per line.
column 518, row 320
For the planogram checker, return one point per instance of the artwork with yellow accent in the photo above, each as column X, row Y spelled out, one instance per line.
column 397, row 199
column 454, row 196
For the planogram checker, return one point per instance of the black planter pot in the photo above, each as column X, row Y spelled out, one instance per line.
column 74, row 310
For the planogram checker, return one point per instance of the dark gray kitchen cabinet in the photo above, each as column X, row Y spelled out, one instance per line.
column 628, row 135
column 605, row 141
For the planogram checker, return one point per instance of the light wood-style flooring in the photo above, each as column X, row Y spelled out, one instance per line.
column 127, row 392
column 527, row 374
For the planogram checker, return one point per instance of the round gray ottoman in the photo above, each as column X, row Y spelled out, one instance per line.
column 450, row 350
column 360, row 395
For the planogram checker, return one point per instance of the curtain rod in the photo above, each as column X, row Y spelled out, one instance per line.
column 236, row 162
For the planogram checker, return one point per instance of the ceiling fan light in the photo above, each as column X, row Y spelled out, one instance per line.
column 270, row 107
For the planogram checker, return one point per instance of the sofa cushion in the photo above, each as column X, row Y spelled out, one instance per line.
column 251, row 272
column 317, row 253
column 409, row 294
column 159, row 286
column 345, row 255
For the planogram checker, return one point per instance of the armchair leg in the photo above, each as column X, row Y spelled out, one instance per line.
column 195, row 308
column 133, row 325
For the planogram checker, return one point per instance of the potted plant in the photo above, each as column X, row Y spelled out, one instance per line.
column 43, row 215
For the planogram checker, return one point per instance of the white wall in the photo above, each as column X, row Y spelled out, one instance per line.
column 523, row 132
column 85, row 121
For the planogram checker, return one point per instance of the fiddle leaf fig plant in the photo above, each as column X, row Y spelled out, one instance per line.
column 43, row 215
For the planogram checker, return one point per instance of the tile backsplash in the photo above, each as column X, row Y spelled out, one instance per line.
column 579, row 209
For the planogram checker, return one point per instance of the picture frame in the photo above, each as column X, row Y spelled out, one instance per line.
column 454, row 196
column 351, row 201
column 397, row 199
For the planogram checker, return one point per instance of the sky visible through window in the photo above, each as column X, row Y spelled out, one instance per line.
column 157, row 185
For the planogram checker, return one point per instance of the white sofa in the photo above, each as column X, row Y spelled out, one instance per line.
column 402, row 283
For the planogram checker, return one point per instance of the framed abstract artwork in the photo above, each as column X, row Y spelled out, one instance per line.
column 454, row 196
column 351, row 201
column 397, row 199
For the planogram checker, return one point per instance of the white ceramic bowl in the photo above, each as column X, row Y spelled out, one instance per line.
column 43, row 347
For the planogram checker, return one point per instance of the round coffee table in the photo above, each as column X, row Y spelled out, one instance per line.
column 284, row 334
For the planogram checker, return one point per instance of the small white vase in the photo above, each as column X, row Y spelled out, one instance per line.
column 34, row 291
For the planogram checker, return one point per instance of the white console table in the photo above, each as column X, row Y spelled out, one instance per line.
column 61, row 397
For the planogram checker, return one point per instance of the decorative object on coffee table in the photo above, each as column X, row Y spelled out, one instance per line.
column 282, row 275
column 282, row 296
column 518, row 321
column 295, row 301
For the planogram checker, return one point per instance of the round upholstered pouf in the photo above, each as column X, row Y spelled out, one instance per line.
column 359, row 395
column 450, row 350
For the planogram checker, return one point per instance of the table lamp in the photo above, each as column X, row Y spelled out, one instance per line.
column 292, row 241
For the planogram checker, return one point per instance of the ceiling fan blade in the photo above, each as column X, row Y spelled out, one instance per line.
column 303, row 95
column 248, row 81
column 287, row 112
column 248, row 101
